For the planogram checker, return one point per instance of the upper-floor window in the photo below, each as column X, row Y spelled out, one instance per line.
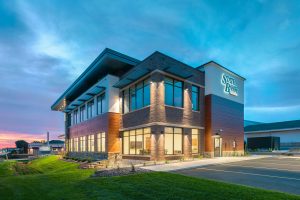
column 75, row 117
column 100, row 104
column 173, row 92
column 82, row 113
column 90, row 106
column 195, row 98
column 137, row 96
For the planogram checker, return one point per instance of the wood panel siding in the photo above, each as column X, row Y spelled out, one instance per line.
column 113, row 138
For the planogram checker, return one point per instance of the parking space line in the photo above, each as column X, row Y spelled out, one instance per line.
column 253, row 174
column 275, row 163
column 257, row 167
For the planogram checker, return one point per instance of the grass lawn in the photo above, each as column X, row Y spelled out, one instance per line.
column 50, row 178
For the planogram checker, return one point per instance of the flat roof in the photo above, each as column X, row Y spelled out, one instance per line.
column 213, row 62
column 108, row 62
column 294, row 124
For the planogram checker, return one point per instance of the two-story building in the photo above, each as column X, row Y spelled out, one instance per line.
column 155, row 109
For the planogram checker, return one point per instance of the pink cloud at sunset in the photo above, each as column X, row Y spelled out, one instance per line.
column 8, row 138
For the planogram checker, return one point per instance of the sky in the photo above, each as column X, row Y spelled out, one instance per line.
column 45, row 45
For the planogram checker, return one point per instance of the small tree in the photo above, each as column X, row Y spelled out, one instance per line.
column 22, row 144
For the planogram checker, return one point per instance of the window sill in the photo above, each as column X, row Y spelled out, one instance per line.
column 196, row 111
column 136, row 110
column 182, row 108
column 87, row 120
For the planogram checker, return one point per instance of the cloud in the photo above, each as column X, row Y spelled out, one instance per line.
column 8, row 138
column 45, row 46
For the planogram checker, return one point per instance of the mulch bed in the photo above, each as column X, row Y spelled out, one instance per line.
column 119, row 172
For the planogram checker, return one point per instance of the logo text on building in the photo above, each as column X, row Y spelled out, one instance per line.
column 229, row 83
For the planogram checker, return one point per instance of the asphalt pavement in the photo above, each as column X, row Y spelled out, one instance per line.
column 273, row 173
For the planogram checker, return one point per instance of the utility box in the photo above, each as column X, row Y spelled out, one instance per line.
column 263, row 143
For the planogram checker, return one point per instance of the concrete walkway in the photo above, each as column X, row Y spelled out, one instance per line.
column 200, row 163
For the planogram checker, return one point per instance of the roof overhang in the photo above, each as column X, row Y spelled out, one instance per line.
column 108, row 62
column 138, row 72
column 87, row 95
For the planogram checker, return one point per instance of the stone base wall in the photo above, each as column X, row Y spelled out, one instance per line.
column 136, row 157
column 87, row 155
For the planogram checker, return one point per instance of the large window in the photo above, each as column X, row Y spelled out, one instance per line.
column 91, row 143
column 82, row 113
column 76, row 144
column 195, row 98
column 101, row 142
column 82, row 144
column 173, row 92
column 75, row 117
column 137, row 96
column 100, row 104
column 67, row 145
column 195, row 140
column 90, row 106
column 137, row 142
column 71, row 145
column 173, row 141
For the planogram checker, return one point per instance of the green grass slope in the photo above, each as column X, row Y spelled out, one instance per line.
column 57, row 179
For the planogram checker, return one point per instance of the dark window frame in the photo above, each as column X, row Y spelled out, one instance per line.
column 173, row 93
column 133, row 90
column 135, row 136
column 198, row 98
column 173, row 134
column 198, row 135
column 100, row 97
column 89, row 109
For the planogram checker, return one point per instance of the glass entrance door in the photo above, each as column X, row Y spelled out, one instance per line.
column 217, row 147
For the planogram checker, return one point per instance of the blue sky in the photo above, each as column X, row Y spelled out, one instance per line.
column 46, row 45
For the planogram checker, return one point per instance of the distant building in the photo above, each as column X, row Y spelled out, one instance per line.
column 10, row 150
column 288, row 133
column 41, row 148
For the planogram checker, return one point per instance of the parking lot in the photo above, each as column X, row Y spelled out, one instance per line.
column 272, row 173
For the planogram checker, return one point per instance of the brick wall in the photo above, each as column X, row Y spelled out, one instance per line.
column 158, row 112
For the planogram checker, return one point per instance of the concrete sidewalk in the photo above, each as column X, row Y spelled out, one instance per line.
column 199, row 163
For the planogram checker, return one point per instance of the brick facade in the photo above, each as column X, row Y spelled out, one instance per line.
column 158, row 115
column 215, row 112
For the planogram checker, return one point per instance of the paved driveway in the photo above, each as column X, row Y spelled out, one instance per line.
column 273, row 173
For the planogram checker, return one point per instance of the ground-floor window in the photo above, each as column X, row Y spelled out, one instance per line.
column 67, row 145
column 173, row 141
column 71, row 145
column 91, row 143
column 76, row 144
column 195, row 140
column 82, row 144
column 101, row 142
column 137, row 142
